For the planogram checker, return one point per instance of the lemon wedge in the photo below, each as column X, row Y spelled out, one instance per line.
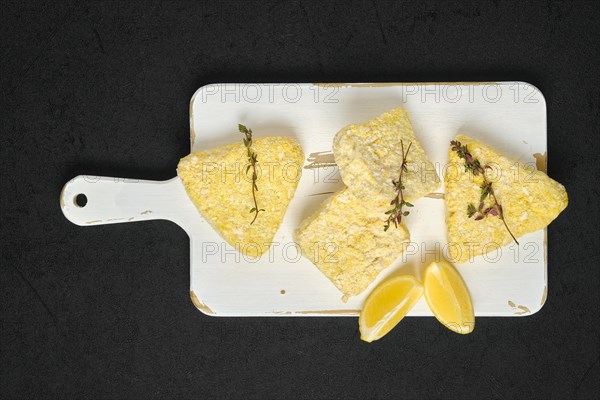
column 387, row 305
column 448, row 297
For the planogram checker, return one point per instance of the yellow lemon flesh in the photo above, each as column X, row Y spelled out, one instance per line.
column 448, row 297
column 387, row 305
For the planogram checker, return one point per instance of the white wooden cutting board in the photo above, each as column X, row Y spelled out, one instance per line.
column 511, row 116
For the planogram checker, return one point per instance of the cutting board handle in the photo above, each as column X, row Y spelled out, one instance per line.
column 95, row 200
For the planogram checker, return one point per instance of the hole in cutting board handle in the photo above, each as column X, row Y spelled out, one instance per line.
column 80, row 200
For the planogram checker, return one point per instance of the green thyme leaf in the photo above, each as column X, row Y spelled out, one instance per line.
column 471, row 210
column 395, row 214
column 472, row 164
column 253, row 160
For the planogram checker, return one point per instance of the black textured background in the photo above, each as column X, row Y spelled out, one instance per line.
column 103, row 88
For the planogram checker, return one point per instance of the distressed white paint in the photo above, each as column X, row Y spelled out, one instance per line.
column 510, row 116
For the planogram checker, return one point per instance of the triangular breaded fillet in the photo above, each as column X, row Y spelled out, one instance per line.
column 530, row 200
column 369, row 157
column 217, row 183
column 345, row 239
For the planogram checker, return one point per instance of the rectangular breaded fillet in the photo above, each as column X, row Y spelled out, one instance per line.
column 369, row 157
column 345, row 239
column 530, row 200
column 217, row 182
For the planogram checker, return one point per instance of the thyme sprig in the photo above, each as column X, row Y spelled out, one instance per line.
column 396, row 213
column 252, row 160
column 474, row 166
